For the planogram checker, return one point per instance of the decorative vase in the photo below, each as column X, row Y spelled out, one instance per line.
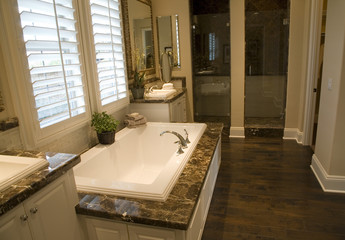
column 106, row 137
column 138, row 93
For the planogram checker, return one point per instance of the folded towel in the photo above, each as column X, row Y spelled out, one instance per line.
column 135, row 123
column 134, row 116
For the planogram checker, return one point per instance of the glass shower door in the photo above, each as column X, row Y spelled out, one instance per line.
column 266, row 57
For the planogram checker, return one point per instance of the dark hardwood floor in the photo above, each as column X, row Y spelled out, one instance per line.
column 267, row 190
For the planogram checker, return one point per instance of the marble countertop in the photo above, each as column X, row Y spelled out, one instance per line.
column 59, row 163
column 173, row 97
column 177, row 210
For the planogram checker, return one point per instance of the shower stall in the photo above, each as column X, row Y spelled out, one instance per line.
column 211, row 60
column 266, row 58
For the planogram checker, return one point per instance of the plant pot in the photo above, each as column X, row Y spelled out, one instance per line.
column 138, row 93
column 106, row 137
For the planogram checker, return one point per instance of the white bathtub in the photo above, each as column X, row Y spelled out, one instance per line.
column 140, row 164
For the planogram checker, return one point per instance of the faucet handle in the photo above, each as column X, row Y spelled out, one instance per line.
column 187, row 140
column 179, row 150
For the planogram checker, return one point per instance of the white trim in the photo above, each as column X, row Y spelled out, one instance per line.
column 329, row 183
column 312, row 69
column 237, row 132
column 293, row 134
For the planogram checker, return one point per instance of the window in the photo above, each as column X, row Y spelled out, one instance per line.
column 107, row 36
column 63, row 64
column 51, row 44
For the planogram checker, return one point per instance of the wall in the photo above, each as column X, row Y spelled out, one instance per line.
column 329, row 149
column 237, row 40
column 180, row 7
column 299, row 29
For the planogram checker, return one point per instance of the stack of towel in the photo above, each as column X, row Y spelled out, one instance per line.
column 134, row 120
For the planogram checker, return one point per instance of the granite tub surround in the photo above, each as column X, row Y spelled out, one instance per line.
column 177, row 210
column 59, row 163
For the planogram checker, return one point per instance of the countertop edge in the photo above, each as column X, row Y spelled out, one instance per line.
column 59, row 164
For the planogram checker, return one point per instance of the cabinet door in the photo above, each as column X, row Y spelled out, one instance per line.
column 51, row 212
column 105, row 230
column 14, row 225
column 147, row 233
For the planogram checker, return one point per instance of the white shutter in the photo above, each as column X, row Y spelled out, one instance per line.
column 53, row 58
column 107, row 33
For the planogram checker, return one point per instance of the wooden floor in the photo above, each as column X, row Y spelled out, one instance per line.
column 266, row 190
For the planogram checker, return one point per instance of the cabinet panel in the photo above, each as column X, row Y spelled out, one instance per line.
column 51, row 212
column 105, row 230
column 147, row 233
column 12, row 227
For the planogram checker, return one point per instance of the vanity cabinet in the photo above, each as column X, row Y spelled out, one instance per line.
column 174, row 111
column 48, row 214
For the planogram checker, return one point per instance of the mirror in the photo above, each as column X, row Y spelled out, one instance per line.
column 138, row 36
column 168, row 38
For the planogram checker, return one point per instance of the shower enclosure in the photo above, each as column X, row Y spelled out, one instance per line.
column 266, row 57
column 211, row 60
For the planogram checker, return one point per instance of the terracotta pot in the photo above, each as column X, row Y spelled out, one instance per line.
column 106, row 137
column 138, row 93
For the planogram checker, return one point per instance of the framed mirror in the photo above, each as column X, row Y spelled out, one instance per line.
column 138, row 36
column 168, row 38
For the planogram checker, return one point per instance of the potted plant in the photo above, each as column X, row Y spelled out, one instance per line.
column 138, row 85
column 105, row 126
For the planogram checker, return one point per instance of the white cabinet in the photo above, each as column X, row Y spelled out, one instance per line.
column 147, row 233
column 163, row 112
column 14, row 226
column 105, row 230
column 177, row 110
column 48, row 214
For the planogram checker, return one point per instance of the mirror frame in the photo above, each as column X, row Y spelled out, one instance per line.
column 127, row 38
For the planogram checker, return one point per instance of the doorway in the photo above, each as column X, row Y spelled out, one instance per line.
column 266, row 58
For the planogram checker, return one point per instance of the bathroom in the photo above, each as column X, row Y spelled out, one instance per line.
column 21, row 134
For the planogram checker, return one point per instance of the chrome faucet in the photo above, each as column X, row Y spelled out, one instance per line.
column 187, row 139
column 182, row 140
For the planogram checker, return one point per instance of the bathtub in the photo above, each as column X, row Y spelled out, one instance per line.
column 140, row 164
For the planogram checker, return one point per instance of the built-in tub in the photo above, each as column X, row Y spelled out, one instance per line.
column 140, row 164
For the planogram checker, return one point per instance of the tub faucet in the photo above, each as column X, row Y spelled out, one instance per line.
column 182, row 140
column 187, row 139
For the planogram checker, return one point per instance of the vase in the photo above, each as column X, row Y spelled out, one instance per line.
column 106, row 137
column 138, row 93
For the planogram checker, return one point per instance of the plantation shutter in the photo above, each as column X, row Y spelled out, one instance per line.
column 107, row 34
column 51, row 44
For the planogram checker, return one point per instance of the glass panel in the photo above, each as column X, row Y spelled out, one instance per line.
column 266, row 57
column 211, row 61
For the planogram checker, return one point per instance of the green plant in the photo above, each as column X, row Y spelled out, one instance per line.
column 103, row 122
column 138, row 79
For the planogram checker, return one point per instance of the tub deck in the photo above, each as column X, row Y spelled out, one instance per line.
column 177, row 210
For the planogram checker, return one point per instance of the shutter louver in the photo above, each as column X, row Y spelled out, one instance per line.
column 51, row 44
column 107, row 35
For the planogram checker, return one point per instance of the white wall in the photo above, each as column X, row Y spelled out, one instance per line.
column 180, row 7
column 329, row 149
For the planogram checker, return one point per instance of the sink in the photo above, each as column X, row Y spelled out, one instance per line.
column 13, row 168
column 160, row 93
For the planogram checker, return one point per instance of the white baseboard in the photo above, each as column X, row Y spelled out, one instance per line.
column 237, row 132
column 329, row 183
column 294, row 134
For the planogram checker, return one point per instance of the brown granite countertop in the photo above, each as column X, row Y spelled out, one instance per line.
column 173, row 97
column 59, row 163
column 177, row 210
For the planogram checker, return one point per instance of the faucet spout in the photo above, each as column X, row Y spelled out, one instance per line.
column 182, row 140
